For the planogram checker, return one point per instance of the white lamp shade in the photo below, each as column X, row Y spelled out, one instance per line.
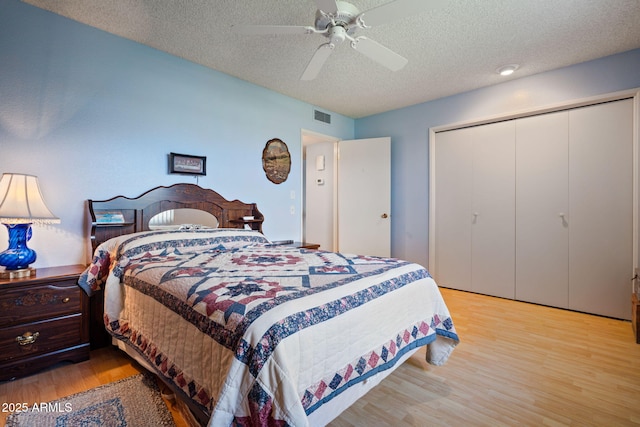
column 21, row 201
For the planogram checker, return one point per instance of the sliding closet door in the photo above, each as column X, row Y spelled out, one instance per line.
column 493, row 210
column 452, row 201
column 600, row 207
column 542, row 211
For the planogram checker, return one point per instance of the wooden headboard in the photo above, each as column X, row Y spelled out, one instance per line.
column 138, row 211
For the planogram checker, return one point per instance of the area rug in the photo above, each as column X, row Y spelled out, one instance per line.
column 131, row 402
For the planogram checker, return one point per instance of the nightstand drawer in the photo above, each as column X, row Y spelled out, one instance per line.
column 40, row 337
column 31, row 303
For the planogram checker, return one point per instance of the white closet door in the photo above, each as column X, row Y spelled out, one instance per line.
column 542, row 197
column 600, row 206
column 493, row 210
column 453, row 175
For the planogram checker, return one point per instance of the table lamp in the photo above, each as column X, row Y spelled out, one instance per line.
column 21, row 204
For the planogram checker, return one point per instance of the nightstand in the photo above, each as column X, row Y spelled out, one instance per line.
column 635, row 316
column 635, row 306
column 305, row 245
column 299, row 245
column 44, row 319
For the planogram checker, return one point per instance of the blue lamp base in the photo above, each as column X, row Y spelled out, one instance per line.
column 18, row 256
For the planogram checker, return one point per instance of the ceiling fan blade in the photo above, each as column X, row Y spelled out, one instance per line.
column 380, row 54
column 327, row 6
column 317, row 61
column 398, row 9
column 271, row 29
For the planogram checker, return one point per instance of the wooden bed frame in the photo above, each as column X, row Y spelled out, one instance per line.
column 137, row 212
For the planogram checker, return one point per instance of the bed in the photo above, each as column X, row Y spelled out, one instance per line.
column 248, row 332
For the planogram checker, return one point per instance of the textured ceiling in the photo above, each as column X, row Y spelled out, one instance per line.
column 451, row 49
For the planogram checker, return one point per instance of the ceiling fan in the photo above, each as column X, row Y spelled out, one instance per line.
column 338, row 21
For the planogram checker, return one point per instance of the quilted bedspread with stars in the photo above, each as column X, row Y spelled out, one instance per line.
column 259, row 334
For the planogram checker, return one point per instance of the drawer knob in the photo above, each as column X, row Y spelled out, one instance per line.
column 27, row 338
column 66, row 300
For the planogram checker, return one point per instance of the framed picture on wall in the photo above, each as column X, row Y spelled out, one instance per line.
column 187, row 164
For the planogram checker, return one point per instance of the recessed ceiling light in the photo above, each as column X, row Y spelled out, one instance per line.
column 507, row 69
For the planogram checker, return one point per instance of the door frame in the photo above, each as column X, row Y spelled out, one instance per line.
column 308, row 137
column 566, row 105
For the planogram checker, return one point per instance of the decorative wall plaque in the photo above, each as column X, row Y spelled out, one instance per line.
column 276, row 161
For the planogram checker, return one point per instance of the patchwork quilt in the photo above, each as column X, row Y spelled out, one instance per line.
column 258, row 334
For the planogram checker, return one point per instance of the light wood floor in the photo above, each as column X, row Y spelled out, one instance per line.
column 517, row 364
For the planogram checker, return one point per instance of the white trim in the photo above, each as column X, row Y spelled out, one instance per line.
column 636, row 179
column 308, row 137
column 566, row 105
column 432, row 204
column 336, row 196
column 534, row 111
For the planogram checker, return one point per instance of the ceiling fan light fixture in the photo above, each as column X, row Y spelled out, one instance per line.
column 337, row 34
column 507, row 70
column 339, row 20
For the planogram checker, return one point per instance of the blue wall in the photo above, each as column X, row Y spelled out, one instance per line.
column 409, row 131
column 94, row 115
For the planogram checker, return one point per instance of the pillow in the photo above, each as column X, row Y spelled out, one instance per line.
column 113, row 255
column 181, row 227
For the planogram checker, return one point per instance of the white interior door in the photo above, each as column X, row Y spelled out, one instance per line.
column 542, row 209
column 573, row 239
column 493, row 210
column 364, row 196
column 451, row 260
column 601, row 207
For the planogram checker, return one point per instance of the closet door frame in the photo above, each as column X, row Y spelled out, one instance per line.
column 568, row 105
